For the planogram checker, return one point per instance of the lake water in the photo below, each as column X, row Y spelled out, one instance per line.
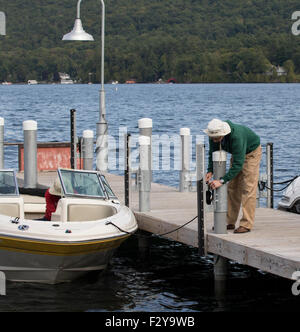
column 175, row 278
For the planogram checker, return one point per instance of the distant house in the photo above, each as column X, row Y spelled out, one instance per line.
column 280, row 71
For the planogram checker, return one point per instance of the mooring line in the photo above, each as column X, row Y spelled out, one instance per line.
column 148, row 236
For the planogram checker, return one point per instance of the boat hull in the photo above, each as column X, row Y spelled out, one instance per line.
column 53, row 262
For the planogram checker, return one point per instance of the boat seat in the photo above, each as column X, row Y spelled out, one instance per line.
column 89, row 212
column 12, row 206
column 74, row 209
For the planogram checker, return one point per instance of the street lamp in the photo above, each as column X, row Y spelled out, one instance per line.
column 79, row 34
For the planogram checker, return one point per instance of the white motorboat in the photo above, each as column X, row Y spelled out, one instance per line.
column 65, row 78
column 290, row 200
column 88, row 225
column 32, row 82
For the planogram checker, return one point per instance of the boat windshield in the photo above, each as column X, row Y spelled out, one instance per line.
column 8, row 183
column 84, row 184
column 107, row 187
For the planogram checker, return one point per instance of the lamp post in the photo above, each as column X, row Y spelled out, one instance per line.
column 79, row 34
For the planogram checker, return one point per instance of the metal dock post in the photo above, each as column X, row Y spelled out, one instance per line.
column 220, row 224
column 185, row 134
column 1, row 143
column 200, row 157
column 127, row 171
column 144, row 179
column 73, row 139
column 270, row 176
column 30, row 154
column 144, row 174
column 88, row 149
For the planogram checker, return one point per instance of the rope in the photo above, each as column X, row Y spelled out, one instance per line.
column 139, row 235
column 262, row 185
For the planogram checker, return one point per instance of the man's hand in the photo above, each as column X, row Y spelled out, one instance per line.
column 208, row 177
column 216, row 184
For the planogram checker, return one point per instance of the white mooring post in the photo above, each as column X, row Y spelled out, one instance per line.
column 185, row 134
column 220, row 224
column 1, row 143
column 144, row 174
column 145, row 129
column 88, row 149
column 30, row 153
column 145, row 170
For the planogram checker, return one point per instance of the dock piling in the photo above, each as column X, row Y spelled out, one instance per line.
column 145, row 129
column 220, row 206
column 145, row 169
column 220, row 224
column 144, row 174
column 30, row 153
column 127, row 170
column 1, row 143
column 200, row 158
column 144, row 245
column 270, row 176
column 73, row 139
column 185, row 134
column 88, row 149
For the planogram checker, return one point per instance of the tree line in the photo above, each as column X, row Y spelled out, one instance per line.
column 190, row 40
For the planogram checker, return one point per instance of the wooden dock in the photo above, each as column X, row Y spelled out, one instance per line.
column 273, row 246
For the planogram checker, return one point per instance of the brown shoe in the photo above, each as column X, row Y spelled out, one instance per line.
column 241, row 230
column 229, row 227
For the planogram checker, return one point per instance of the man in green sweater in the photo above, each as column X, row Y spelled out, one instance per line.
column 244, row 146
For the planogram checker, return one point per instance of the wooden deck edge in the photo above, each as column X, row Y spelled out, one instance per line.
column 262, row 260
column 219, row 245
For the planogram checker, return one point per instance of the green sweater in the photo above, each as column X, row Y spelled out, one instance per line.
column 239, row 142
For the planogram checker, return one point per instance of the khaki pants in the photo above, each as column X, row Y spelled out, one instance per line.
column 242, row 191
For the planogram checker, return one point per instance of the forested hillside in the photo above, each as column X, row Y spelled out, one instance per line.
column 190, row 40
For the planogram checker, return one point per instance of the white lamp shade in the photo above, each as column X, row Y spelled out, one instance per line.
column 78, row 33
